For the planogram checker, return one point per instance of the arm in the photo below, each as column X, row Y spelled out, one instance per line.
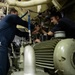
column 50, row 33
column 36, row 31
column 22, row 34
column 22, row 22
column 58, row 27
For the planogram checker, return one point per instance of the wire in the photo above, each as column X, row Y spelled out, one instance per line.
column 24, row 14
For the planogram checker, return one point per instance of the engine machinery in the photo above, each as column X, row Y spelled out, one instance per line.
column 56, row 56
column 51, row 57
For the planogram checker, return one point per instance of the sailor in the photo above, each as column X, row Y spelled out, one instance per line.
column 8, row 31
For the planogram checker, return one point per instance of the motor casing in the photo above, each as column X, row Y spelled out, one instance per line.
column 64, row 57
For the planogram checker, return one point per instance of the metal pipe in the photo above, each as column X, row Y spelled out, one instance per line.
column 3, row 5
column 29, row 61
column 27, row 3
column 56, row 4
column 29, row 28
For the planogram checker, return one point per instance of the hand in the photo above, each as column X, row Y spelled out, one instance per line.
column 37, row 28
column 36, row 31
column 37, row 40
column 50, row 33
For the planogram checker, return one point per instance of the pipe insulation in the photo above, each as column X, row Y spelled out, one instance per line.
column 27, row 3
column 29, row 60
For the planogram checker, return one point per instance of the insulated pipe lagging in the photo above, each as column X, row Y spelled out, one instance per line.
column 27, row 3
column 29, row 61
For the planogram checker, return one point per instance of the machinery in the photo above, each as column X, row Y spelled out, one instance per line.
column 56, row 56
column 51, row 57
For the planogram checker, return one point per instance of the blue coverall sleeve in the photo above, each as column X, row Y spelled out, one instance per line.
column 23, row 23
column 22, row 34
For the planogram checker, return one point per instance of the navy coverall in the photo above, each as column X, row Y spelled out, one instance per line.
column 8, row 31
column 66, row 25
